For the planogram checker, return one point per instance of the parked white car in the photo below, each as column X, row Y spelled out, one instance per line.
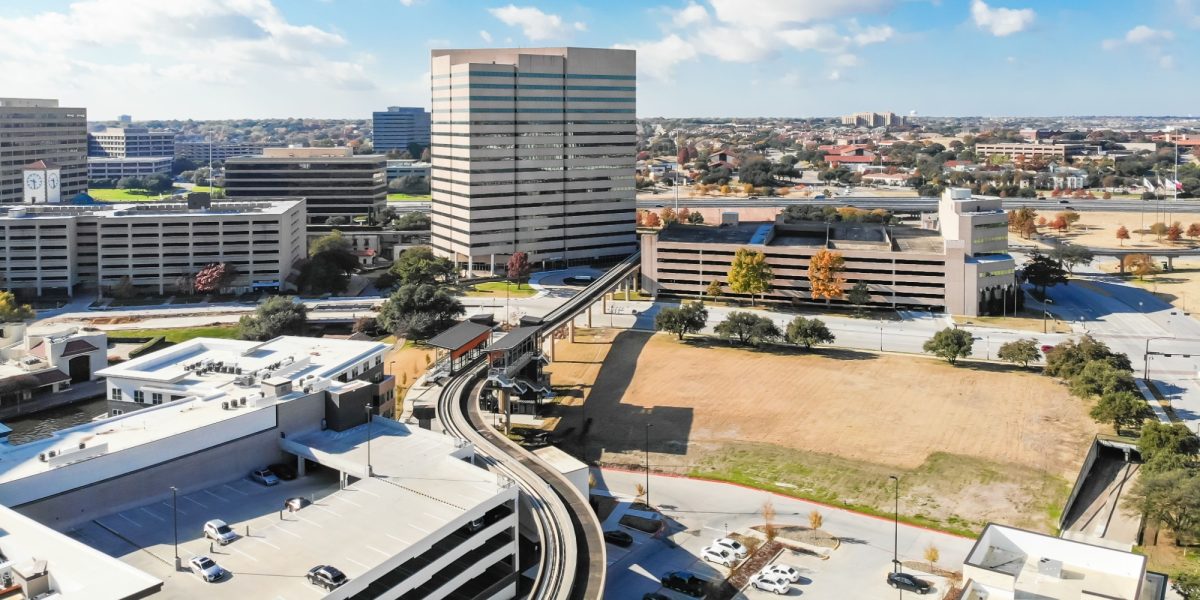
column 770, row 583
column 219, row 532
column 208, row 570
column 733, row 546
column 718, row 555
column 784, row 571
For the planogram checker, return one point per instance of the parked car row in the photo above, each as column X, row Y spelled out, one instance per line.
column 324, row 576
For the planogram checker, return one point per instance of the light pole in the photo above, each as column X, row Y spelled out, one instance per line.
column 1045, row 313
column 648, row 426
column 369, row 407
column 175, row 521
column 896, row 523
column 1146, row 357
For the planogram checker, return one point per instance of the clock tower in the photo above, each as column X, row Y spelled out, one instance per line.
column 40, row 181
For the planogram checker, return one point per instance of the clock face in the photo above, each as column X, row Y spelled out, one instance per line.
column 53, row 182
column 34, row 181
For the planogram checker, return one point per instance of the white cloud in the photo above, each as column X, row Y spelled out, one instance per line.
column 657, row 59
column 1166, row 61
column 846, row 60
column 874, row 35
column 835, row 75
column 745, row 31
column 1140, row 35
column 535, row 24
column 753, row 13
column 487, row 37
column 1001, row 21
column 1143, row 34
column 692, row 14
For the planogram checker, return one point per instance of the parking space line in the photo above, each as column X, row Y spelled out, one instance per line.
column 265, row 542
column 313, row 523
column 151, row 513
column 330, row 511
column 234, row 490
column 359, row 564
column 282, row 530
column 170, row 508
column 135, row 523
column 385, row 554
column 221, row 498
column 249, row 556
column 195, row 502
column 402, row 541
column 412, row 526
column 343, row 499
column 368, row 493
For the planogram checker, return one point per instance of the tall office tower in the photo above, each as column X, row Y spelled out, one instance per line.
column 36, row 129
column 398, row 126
column 533, row 151
column 131, row 142
column 333, row 181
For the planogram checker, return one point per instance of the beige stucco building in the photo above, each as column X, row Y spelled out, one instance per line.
column 48, row 248
column 960, row 265
column 533, row 150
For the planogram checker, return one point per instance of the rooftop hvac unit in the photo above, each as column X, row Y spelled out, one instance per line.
column 225, row 405
column 42, row 456
column 242, row 401
column 52, row 454
column 82, row 445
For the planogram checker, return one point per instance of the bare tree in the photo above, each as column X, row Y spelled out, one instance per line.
column 815, row 520
column 768, row 514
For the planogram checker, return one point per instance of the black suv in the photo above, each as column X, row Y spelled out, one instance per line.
column 619, row 538
column 326, row 576
column 904, row 581
column 685, row 582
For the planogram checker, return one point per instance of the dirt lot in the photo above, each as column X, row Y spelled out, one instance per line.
column 407, row 362
column 1176, row 287
column 972, row 443
column 1099, row 229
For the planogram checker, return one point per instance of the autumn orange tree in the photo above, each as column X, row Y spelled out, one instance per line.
column 1174, row 232
column 1139, row 265
column 825, row 275
column 1122, row 234
column 1193, row 230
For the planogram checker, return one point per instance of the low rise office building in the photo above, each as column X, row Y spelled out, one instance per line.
column 203, row 152
column 398, row 126
column 961, row 266
column 399, row 168
column 131, row 142
column 116, row 168
column 1007, row 563
column 57, row 249
column 333, row 181
column 401, row 512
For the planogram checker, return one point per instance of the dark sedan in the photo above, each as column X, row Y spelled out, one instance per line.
column 904, row 581
column 618, row 538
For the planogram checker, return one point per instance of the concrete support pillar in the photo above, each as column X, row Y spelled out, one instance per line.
column 493, row 264
column 628, row 284
column 1121, row 265
column 1170, row 263
column 300, row 465
column 506, row 409
column 552, row 348
column 604, row 304
column 589, row 314
column 571, row 328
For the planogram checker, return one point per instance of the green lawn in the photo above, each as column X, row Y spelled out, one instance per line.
column 205, row 188
column 113, row 195
column 183, row 334
column 501, row 289
column 408, row 198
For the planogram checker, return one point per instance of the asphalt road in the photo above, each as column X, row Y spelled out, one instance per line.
column 707, row 510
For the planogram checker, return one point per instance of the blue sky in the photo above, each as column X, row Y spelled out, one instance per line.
column 208, row 59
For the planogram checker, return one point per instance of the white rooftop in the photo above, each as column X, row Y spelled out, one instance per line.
column 421, row 487
column 78, row 571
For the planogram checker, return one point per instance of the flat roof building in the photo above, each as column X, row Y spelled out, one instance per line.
column 54, row 249
column 963, row 268
column 205, row 151
column 116, row 168
column 398, row 126
column 131, row 142
column 1026, row 151
column 534, row 151
column 1007, row 563
column 402, row 512
column 404, row 168
column 34, row 130
column 333, row 181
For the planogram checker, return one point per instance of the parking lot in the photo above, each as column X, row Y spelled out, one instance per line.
column 702, row 511
column 144, row 536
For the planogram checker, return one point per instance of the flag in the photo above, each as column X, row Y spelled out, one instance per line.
column 1146, row 182
column 1178, row 185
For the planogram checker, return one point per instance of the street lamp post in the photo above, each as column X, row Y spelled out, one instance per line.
column 896, row 529
column 1045, row 313
column 369, row 408
column 648, row 426
column 175, row 521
